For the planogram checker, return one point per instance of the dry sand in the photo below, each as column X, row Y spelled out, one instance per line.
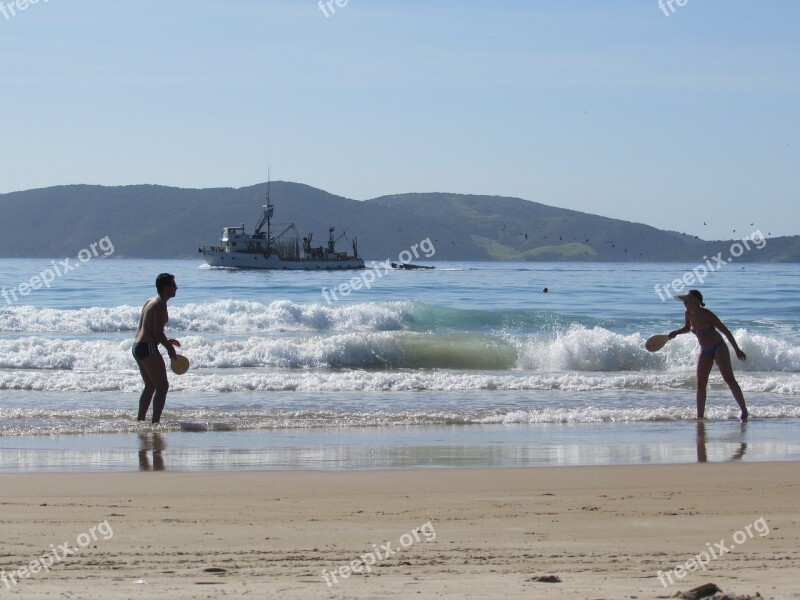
column 605, row 532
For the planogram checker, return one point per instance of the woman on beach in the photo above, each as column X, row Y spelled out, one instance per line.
column 707, row 327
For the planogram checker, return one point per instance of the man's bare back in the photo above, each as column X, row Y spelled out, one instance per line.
column 152, row 321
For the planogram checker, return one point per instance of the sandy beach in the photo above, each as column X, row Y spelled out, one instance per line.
column 604, row 532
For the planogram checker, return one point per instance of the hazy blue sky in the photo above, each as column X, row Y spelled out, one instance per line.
column 612, row 108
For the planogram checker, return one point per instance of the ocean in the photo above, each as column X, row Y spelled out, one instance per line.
column 470, row 364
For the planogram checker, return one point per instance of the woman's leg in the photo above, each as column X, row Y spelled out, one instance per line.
column 704, row 364
column 723, row 358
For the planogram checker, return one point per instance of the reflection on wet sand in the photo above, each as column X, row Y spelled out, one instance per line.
column 702, row 440
column 151, row 442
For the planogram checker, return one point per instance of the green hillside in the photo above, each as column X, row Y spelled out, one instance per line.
column 150, row 221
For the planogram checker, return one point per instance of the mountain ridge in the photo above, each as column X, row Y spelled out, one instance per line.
column 154, row 221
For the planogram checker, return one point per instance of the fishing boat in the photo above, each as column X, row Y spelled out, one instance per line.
column 285, row 251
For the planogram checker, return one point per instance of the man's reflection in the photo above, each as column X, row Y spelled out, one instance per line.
column 151, row 442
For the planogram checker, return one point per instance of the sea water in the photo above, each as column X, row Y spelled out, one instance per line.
column 469, row 364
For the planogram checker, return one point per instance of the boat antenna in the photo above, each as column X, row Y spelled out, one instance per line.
column 267, row 214
column 269, row 179
column 268, row 209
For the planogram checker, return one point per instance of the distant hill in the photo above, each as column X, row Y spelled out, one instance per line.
column 499, row 228
column 150, row 221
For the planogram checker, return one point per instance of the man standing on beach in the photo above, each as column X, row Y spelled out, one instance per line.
column 149, row 335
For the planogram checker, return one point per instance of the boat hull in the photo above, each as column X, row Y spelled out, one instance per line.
column 410, row 267
column 244, row 260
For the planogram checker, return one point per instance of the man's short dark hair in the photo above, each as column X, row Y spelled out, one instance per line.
column 163, row 280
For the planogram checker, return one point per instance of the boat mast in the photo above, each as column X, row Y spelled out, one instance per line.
column 266, row 216
column 268, row 208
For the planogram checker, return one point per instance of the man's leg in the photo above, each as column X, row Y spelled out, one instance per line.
column 147, row 392
column 155, row 370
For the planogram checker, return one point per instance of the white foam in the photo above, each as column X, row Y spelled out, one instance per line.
column 126, row 378
column 120, row 419
column 221, row 316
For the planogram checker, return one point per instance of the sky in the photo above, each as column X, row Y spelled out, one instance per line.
column 683, row 117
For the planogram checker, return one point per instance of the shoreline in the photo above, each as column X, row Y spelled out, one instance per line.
column 495, row 445
column 604, row 531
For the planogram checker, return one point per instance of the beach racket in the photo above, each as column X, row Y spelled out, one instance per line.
column 179, row 364
column 656, row 343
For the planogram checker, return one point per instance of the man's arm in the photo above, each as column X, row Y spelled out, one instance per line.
column 160, row 317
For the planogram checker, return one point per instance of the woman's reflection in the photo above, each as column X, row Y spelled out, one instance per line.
column 151, row 442
column 702, row 455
